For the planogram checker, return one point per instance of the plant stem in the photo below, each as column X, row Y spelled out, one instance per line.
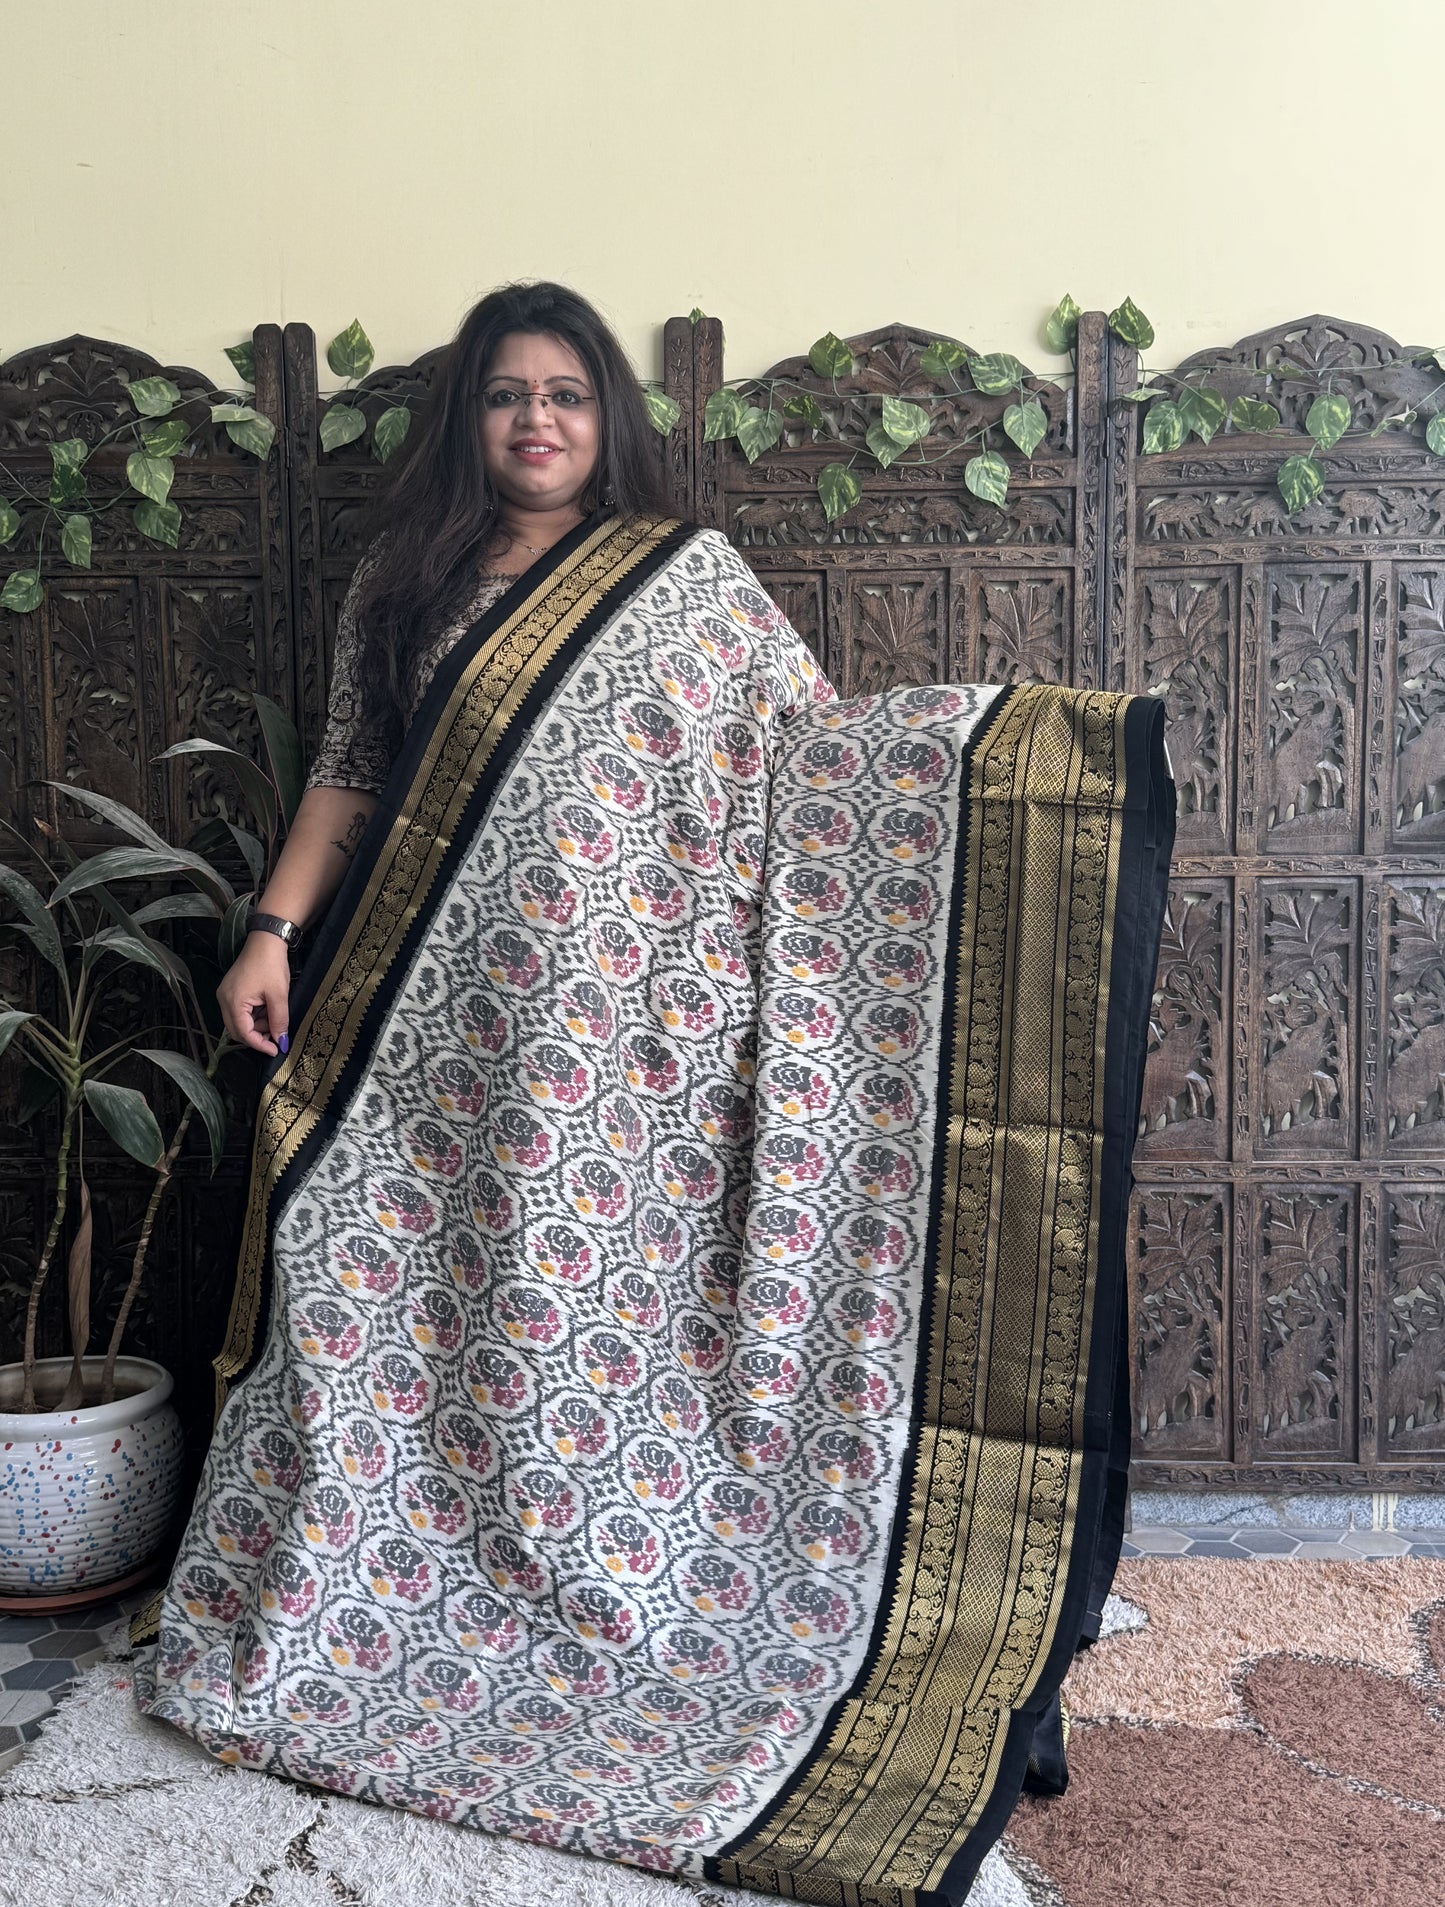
column 32, row 1309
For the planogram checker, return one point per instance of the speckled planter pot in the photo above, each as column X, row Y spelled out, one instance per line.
column 86, row 1496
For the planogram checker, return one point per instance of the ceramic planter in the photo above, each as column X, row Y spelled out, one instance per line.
column 86, row 1496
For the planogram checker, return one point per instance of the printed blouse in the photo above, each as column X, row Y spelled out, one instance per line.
column 360, row 744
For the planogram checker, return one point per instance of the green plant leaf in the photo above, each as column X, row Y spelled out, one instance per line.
column 22, row 591
column 127, row 1117
column 177, row 907
column 1026, row 424
column 1435, row 435
column 123, row 864
column 838, row 490
column 281, row 744
column 9, row 522
column 116, row 813
column 1249, row 413
column 154, row 396
column 941, row 357
column 1062, row 327
column 232, row 413
column 253, row 779
column 341, row 424
column 662, row 411
column 1128, row 322
column 1328, row 419
column 350, row 352
column 67, row 471
column 758, row 430
column 253, row 853
column 805, row 407
column 884, row 447
column 198, row 1088
column 1146, row 394
column 167, row 438
column 391, row 428
column 830, row 357
column 987, row 476
column 696, row 313
column 243, row 357
column 1163, row 427
column 721, row 415
column 1000, row 371
column 905, row 423
column 152, row 476
column 75, row 541
column 1202, row 410
column 161, row 522
column 1300, row 480
column 1400, row 420
column 139, row 948
column 255, row 433
column 28, row 899
column 11, row 1022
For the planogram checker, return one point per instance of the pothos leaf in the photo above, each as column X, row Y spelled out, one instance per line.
column 884, row 447
column 154, row 396
column 1251, row 414
column 1062, row 328
column 1300, row 481
column 662, row 411
column 243, row 357
column 1435, row 434
column 390, row 431
column 1202, row 410
column 22, row 591
column 905, row 423
column 830, row 357
column 75, row 541
column 1128, row 322
column 721, row 416
column 341, row 424
column 9, row 522
column 941, row 357
column 838, row 490
column 1026, row 424
column 805, row 407
column 758, row 430
column 152, row 476
column 996, row 373
column 350, row 352
column 1328, row 419
column 161, row 522
column 1164, row 427
column 987, row 476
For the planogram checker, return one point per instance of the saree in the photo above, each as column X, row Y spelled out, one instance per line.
column 674, row 1406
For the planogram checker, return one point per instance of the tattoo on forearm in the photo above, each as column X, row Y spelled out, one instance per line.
column 353, row 834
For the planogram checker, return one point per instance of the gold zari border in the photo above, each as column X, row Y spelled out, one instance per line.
column 467, row 731
column 913, row 1760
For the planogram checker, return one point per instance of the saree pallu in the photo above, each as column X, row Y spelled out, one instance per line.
column 674, row 1406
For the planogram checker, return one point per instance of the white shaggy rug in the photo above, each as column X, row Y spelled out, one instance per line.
column 108, row 1808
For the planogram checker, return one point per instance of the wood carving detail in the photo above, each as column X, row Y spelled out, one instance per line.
column 930, row 517
column 1307, row 939
column 1302, row 1401
column 1415, row 1016
column 897, row 632
column 1309, row 785
column 1419, row 767
column 1186, row 642
column 1186, row 1094
column 1024, row 630
column 1414, row 1326
column 1179, row 1282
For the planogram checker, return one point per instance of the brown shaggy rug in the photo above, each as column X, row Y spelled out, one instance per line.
column 1269, row 1733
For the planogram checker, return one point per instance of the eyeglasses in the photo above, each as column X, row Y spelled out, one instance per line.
column 503, row 398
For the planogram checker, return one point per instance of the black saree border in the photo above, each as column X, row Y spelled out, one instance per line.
column 1004, row 1539
column 476, row 716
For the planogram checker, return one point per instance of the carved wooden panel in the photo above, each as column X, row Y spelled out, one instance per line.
column 1180, row 1239
column 147, row 646
column 1298, row 1038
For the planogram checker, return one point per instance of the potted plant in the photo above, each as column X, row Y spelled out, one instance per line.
column 92, row 1443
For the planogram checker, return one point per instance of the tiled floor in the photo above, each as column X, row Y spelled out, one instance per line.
column 39, row 1655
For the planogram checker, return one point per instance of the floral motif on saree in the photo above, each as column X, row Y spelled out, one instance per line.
column 673, row 1405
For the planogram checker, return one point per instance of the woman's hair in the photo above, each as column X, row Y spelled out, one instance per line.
column 436, row 510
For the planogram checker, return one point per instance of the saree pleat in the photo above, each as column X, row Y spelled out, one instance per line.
column 675, row 1401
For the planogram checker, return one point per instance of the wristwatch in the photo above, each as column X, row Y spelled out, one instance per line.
column 287, row 930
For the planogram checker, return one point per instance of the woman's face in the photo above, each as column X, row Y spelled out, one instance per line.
column 538, row 455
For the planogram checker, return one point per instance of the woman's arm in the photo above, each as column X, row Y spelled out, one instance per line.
column 255, row 991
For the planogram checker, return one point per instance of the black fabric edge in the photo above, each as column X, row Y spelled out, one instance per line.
column 984, row 727
column 1147, row 839
column 398, row 783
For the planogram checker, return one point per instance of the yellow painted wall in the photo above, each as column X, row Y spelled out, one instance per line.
column 174, row 171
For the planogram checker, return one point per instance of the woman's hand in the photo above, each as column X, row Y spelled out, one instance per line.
column 255, row 993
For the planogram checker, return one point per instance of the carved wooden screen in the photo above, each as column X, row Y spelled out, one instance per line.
column 146, row 647
column 1289, row 1229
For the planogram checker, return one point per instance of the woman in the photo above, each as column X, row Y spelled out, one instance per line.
column 674, row 1406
